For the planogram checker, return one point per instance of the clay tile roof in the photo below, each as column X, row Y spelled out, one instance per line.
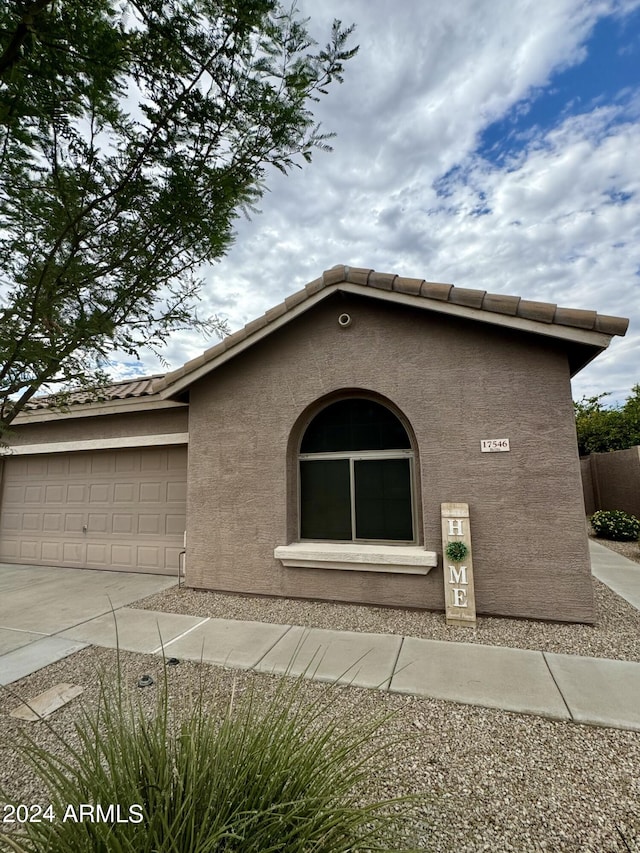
column 382, row 280
column 262, row 321
column 500, row 303
column 465, row 296
column 359, row 275
column 496, row 303
column 611, row 325
column 575, row 317
column 295, row 299
column 328, row 277
column 126, row 389
column 435, row 292
column 407, row 285
column 543, row 312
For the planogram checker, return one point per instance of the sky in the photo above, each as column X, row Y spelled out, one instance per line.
column 490, row 144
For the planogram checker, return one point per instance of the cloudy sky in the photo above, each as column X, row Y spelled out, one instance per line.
column 492, row 144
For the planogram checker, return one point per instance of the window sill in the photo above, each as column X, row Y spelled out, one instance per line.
column 396, row 559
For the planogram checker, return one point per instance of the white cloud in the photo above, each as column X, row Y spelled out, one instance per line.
column 558, row 222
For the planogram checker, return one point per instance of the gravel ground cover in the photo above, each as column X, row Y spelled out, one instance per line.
column 487, row 780
column 616, row 633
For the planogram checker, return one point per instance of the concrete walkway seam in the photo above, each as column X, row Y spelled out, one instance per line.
column 555, row 681
column 271, row 648
column 394, row 668
column 164, row 646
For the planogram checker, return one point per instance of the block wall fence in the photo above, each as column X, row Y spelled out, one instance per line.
column 612, row 481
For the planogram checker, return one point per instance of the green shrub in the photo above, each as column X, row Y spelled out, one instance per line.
column 255, row 776
column 615, row 524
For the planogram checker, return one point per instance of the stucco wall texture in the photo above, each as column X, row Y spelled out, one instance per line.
column 587, row 485
column 455, row 382
column 153, row 422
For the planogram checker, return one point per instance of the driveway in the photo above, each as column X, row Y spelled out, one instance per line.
column 38, row 603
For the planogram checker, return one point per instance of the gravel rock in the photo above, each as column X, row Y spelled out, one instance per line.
column 616, row 633
column 486, row 779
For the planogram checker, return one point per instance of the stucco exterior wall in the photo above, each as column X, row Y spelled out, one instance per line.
column 456, row 382
column 118, row 425
column 587, row 485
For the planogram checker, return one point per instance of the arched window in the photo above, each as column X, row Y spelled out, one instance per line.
column 356, row 475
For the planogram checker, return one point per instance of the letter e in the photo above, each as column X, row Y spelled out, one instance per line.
column 459, row 597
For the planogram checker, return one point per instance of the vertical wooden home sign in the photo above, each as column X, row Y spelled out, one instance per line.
column 459, row 594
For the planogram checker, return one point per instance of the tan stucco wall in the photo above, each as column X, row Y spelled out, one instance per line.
column 152, row 422
column 456, row 382
column 588, row 485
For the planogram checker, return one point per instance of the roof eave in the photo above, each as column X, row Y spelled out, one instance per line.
column 97, row 407
column 481, row 315
column 185, row 376
column 302, row 301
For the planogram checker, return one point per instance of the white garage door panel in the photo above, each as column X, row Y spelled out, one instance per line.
column 112, row 509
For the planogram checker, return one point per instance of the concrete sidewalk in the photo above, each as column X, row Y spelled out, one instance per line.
column 564, row 687
column 37, row 603
column 619, row 574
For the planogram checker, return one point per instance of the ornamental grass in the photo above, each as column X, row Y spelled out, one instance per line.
column 258, row 775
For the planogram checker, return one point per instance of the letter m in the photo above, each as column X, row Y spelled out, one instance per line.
column 458, row 575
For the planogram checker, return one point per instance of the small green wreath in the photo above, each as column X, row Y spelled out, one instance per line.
column 456, row 551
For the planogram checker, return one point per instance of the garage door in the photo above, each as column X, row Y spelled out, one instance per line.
column 109, row 509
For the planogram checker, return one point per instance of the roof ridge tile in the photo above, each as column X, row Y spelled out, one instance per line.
column 332, row 276
column 358, row 275
column 575, row 317
column 467, row 296
column 316, row 285
column 543, row 312
column 501, row 303
column 295, row 298
column 436, row 290
column 611, row 325
column 408, row 285
column 382, row 280
column 480, row 300
column 275, row 312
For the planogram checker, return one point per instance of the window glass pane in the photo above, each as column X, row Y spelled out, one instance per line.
column 355, row 424
column 383, row 499
column 325, row 499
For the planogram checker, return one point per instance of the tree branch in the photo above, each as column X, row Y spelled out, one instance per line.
column 11, row 53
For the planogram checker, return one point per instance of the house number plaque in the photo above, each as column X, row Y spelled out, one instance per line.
column 459, row 593
column 494, row 445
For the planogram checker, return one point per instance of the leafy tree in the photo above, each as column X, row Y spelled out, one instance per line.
column 131, row 136
column 601, row 428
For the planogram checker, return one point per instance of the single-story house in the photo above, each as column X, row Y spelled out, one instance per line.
column 308, row 454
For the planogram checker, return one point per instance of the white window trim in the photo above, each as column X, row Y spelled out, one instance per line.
column 357, row 454
column 394, row 559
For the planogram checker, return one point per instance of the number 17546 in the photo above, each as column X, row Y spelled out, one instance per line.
column 494, row 445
